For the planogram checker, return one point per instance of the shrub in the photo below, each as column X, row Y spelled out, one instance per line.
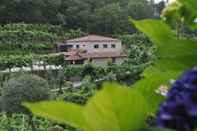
column 23, row 88
column 88, row 70
column 81, row 94
column 71, row 71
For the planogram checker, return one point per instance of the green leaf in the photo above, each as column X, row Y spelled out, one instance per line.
column 153, row 78
column 115, row 108
column 161, row 34
column 59, row 111
column 180, row 52
column 174, row 56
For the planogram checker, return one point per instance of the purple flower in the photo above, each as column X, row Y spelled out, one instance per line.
column 179, row 111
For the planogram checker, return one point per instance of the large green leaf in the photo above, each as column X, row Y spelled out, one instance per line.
column 148, row 86
column 59, row 111
column 174, row 56
column 168, row 45
column 115, row 108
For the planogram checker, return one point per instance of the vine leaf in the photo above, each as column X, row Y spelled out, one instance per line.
column 174, row 56
column 60, row 111
column 115, row 108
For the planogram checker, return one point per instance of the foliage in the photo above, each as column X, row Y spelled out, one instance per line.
column 140, row 52
column 172, row 13
column 72, row 71
column 30, row 38
column 23, row 88
column 88, row 70
column 174, row 56
column 129, row 74
column 79, row 95
column 138, row 39
column 125, row 73
column 19, row 122
column 105, row 107
column 52, row 29
column 139, row 55
column 190, row 12
column 108, row 18
column 85, row 14
column 182, row 15
column 55, row 78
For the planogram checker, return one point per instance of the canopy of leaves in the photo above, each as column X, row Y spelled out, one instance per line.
column 95, row 16
column 114, row 108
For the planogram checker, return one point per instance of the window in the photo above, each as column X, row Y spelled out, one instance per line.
column 77, row 46
column 70, row 46
column 113, row 46
column 96, row 46
column 105, row 46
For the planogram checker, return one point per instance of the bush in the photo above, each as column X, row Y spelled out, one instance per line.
column 88, row 70
column 81, row 94
column 71, row 71
column 23, row 88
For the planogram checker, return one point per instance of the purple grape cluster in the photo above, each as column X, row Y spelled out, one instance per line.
column 179, row 111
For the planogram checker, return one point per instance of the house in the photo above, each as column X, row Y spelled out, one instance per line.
column 98, row 49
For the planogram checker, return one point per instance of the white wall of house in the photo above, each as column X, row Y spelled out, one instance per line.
column 120, row 60
column 102, row 46
column 104, row 61
column 100, row 62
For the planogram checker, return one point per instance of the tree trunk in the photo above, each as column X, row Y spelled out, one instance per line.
column 60, row 87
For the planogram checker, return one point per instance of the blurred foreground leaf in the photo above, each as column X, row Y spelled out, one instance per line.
column 114, row 108
column 174, row 56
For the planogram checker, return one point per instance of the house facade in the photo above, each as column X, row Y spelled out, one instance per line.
column 96, row 48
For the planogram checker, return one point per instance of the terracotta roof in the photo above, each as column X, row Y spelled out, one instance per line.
column 63, row 53
column 97, row 55
column 74, row 57
column 92, row 38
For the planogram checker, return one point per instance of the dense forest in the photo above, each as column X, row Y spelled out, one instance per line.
column 93, row 16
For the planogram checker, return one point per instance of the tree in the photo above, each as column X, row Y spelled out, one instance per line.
column 139, row 9
column 88, row 70
column 94, row 16
column 108, row 18
column 20, row 89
